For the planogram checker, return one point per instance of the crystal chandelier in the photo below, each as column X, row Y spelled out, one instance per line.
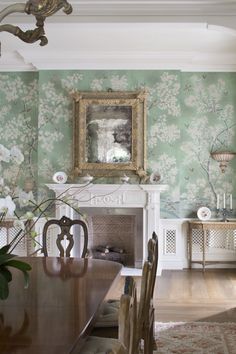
column 38, row 8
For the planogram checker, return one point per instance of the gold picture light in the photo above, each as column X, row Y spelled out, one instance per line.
column 40, row 9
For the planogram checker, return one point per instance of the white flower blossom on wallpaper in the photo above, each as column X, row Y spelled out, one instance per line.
column 47, row 139
column 166, row 133
column 53, row 106
column 18, row 129
column 46, row 169
column 16, row 88
column 72, row 82
column 166, row 166
column 165, row 93
column 97, row 85
column 206, row 99
column 119, row 83
column 164, row 97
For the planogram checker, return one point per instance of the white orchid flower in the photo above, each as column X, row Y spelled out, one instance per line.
column 16, row 155
column 4, row 154
column 25, row 198
column 19, row 224
column 7, row 206
column 29, row 215
column 6, row 190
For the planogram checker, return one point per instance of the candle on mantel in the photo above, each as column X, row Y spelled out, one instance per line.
column 231, row 201
column 224, row 200
column 217, row 201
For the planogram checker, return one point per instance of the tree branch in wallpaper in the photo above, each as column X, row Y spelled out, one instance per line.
column 222, row 143
column 19, row 123
column 207, row 171
column 210, row 128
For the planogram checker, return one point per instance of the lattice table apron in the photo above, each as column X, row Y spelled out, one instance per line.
column 211, row 242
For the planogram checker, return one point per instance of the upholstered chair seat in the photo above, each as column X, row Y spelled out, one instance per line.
column 99, row 345
column 127, row 342
column 108, row 314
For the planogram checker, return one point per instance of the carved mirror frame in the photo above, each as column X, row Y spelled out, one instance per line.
column 106, row 108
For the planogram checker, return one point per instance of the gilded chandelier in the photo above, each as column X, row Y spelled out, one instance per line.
column 38, row 8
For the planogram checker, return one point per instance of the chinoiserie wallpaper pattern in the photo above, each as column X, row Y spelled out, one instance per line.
column 188, row 115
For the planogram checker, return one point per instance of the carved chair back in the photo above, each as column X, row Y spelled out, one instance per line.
column 65, row 225
column 127, row 332
column 153, row 258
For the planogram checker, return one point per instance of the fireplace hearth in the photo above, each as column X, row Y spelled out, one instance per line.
column 110, row 253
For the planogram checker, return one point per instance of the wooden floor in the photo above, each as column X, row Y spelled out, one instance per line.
column 191, row 295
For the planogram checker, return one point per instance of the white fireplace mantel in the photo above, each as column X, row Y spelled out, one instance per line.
column 145, row 196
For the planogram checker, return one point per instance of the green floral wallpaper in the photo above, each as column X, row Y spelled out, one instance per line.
column 188, row 115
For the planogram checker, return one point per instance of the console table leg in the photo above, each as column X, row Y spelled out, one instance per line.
column 204, row 250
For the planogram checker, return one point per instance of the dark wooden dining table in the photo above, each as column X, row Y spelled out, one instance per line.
column 57, row 311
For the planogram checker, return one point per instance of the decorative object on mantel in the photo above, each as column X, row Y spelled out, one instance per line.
column 40, row 9
column 155, row 177
column 124, row 179
column 87, row 178
column 204, row 213
column 223, row 157
column 60, row 177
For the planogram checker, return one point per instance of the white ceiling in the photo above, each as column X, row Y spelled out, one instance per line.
column 129, row 34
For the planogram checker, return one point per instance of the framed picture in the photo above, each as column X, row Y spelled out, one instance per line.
column 109, row 133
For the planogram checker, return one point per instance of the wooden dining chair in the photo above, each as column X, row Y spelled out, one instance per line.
column 108, row 319
column 153, row 258
column 65, row 225
column 127, row 342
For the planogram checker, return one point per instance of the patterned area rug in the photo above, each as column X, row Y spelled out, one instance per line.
column 195, row 338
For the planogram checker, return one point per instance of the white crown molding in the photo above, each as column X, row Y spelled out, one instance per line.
column 184, row 61
column 155, row 7
column 159, row 46
column 13, row 61
column 120, row 10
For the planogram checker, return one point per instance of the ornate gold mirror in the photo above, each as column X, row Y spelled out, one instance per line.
column 109, row 133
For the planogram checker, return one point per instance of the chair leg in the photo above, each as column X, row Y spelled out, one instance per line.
column 154, row 343
column 148, row 334
column 148, row 340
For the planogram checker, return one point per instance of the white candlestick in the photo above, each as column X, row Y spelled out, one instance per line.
column 217, row 201
column 231, row 201
column 224, row 201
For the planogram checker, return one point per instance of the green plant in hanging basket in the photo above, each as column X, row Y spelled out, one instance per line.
column 7, row 260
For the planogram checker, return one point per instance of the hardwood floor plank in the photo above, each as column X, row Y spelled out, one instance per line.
column 191, row 295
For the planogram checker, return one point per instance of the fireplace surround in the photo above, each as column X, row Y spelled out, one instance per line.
column 113, row 197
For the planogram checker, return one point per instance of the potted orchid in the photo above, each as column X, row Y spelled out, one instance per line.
column 12, row 200
column 7, row 208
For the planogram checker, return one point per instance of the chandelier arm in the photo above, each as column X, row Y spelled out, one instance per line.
column 40, row 9
column 47, row 8
column 11, row 9
column 29, row 36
